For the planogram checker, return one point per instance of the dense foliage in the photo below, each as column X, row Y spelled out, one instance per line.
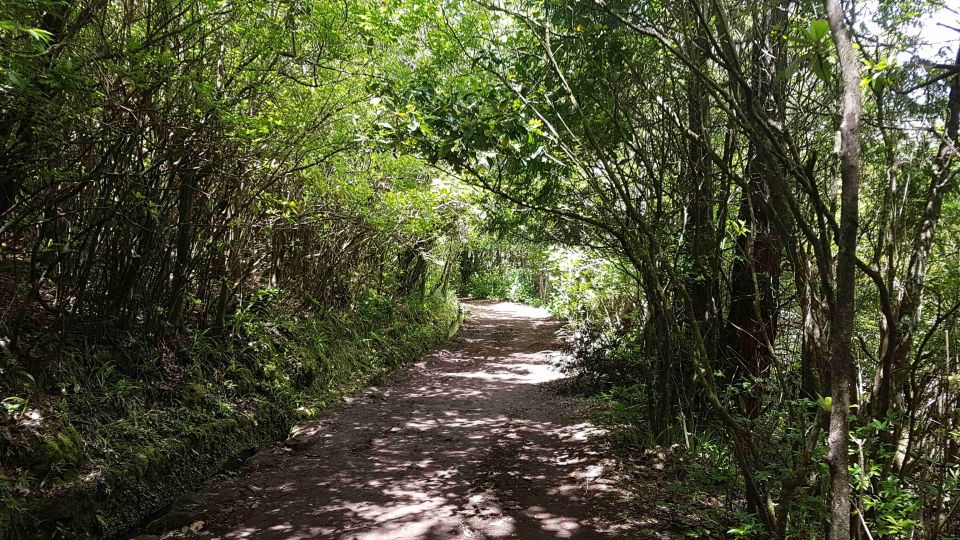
column 748, row 212
column 774, row 187
column 198, row 234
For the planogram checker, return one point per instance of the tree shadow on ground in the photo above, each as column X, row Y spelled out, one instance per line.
column 468, row 444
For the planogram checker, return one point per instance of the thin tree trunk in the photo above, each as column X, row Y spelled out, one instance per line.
column 699, row 236
column 841, row 334
column 184, row 236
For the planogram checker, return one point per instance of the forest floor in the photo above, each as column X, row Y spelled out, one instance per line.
column 477, row 440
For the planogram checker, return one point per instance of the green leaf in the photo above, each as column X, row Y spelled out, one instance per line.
column 821, row 67
column 818, row 29
column 39, row 34
column 15, row 79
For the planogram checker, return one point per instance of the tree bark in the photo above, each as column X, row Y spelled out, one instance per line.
column 183, row 244
column 841, row 332
column 697, row 177
column 754, row 280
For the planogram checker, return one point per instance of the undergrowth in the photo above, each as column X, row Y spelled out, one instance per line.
column 681, row 477
column 115, row 429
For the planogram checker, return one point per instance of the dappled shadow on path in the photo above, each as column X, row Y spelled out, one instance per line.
column 469, row 443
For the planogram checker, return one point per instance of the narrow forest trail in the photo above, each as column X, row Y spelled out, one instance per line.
column 471, row 442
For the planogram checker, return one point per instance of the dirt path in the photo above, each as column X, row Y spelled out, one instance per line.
column 470, row 443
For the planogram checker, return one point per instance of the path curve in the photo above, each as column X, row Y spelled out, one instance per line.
column 470, row 443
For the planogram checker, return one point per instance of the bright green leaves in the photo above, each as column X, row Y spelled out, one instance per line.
column 817, row 30
column 826, row 403
column 816, row 50
column 737, row 227
column 39, row 35
column 278, row 207
column 11, row 29
column 19, row 44
column 878, row 73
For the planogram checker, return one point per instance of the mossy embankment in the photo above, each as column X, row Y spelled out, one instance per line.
column 115, row 443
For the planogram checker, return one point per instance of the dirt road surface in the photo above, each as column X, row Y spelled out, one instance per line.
column 472, row 442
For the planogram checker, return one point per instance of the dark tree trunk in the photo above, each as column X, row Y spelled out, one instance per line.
column 182, row 243
column 754, row 281
column 698, row 181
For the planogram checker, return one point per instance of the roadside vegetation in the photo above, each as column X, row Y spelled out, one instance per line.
column 201, row 245
column 216, row 217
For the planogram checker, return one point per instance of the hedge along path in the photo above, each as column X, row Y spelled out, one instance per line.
column 471, row 442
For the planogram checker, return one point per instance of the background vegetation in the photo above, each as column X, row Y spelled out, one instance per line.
column 748, row 213
column 754, row 208
column 200, row 243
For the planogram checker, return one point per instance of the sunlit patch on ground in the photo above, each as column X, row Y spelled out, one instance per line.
column 468, row 444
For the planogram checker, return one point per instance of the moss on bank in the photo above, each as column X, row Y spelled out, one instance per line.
column 116, row 446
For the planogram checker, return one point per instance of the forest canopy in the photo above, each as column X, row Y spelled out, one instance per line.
column 746, row 213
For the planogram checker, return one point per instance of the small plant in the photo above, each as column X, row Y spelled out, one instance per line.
column 14, row 405
column 746, row 527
